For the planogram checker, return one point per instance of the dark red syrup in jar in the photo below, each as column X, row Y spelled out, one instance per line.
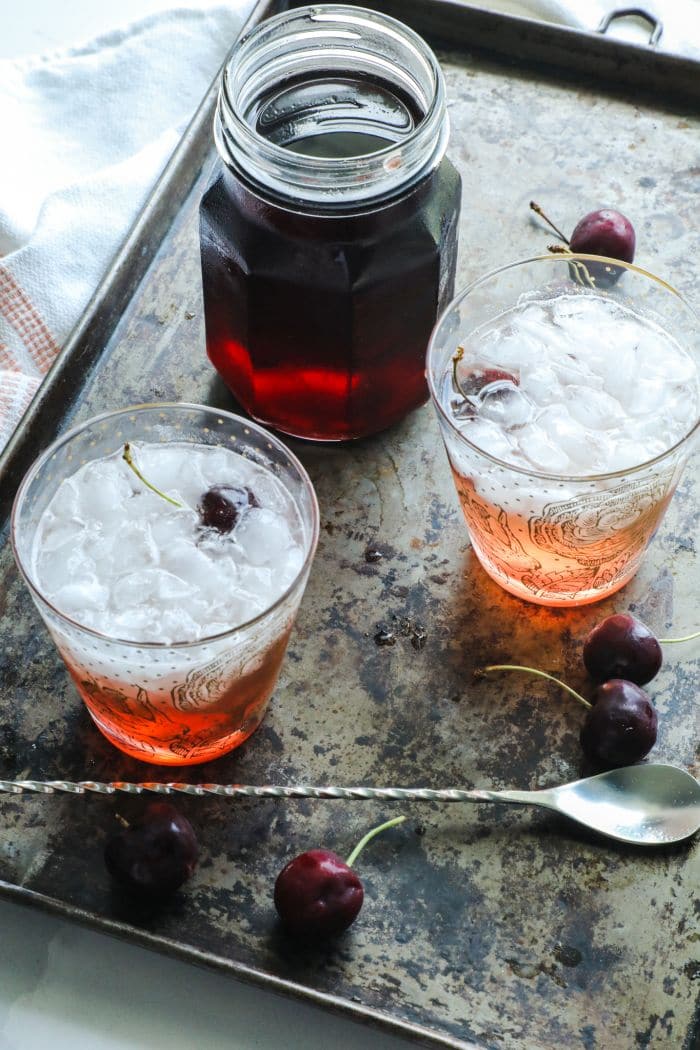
column 318, row 313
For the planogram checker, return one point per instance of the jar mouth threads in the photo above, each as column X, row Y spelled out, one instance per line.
column 333, row 105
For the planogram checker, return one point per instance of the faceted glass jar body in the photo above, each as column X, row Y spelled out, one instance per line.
column 324, row 271
column 319, row 324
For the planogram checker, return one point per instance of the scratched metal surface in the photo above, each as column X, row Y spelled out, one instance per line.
column 482, row 927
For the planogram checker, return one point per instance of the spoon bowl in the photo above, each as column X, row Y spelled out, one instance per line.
column 647, row 805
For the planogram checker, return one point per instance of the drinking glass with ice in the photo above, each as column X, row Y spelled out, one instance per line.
column 568, row 412
column 170, row 589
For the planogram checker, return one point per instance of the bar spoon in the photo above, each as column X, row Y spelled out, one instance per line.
column 646, row 805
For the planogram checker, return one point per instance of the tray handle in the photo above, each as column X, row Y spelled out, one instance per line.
column 656, row 24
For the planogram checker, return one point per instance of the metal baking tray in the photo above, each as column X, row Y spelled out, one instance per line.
column 481, row 928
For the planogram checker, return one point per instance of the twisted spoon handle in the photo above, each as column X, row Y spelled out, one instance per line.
column 387, row 794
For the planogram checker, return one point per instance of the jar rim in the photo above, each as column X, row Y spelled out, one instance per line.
column 328, row 179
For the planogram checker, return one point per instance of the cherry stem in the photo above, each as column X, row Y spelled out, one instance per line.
column 128, row 458
column 686, row 638
column 457, row 357
column 540, row 674
column 536, row 208
column 369, row 836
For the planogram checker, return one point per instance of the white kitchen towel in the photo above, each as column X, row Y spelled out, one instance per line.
column 86, row 133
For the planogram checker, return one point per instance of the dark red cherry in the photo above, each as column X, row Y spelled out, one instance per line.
column 620, row 728
column 156, row 854
column 222, row 506
column 604, row 232
column 622, row 647
column 472, row 382
column 317, row 895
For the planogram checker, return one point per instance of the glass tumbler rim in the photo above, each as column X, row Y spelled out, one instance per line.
column 551, row 258
column 69, row 434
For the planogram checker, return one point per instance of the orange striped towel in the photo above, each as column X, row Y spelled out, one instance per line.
column 90, row 129
column 23, row 364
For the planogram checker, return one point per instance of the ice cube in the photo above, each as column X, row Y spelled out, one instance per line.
column 567, row 308
column 167, row 531
column 85, row 592
column 541, row 451
column 595, row 409
column 138, row 624
column 645, row 397
column 650, row 438
column 541, row 384
column 177, row 625
column 191, row 562
column 66, row 499
column 656, row 357
column 511, row 352
column 256, row 579
column 262, row 535
column 104, row 495
column 57, row 568
column 571, row 370
column 673, row 363
column 292, row 564
column 564, row 432
column 617, row 369
column 60, row 533
column 503, row 403
column 488, row 436
column 129, row 547
column 154, row 585
column 168, row 467
column 238, row 606
column 490, row 347
column 625, row 453
column 218, row 468
column 536, row 330
column 269, row 492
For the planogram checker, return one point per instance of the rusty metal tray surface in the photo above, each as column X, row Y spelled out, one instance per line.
column 481, row 928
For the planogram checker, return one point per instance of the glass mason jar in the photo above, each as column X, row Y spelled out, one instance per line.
column 329, row 232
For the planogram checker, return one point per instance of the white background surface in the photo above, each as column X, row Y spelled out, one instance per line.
column 66, row 988
column 62, row 986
